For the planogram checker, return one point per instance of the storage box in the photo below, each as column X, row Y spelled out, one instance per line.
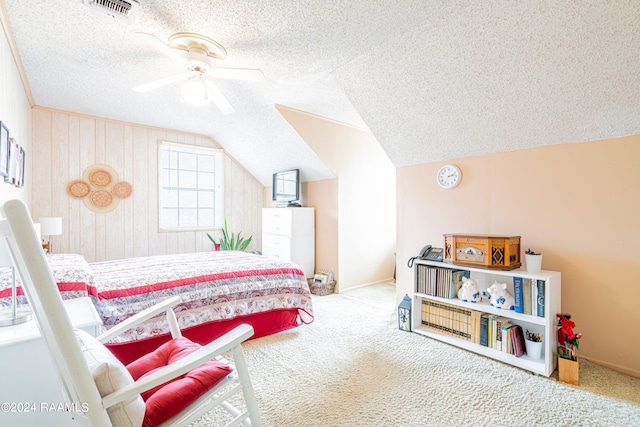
column 321, row 289
column 483, row 251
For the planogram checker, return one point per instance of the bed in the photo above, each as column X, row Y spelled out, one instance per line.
column 219, row 290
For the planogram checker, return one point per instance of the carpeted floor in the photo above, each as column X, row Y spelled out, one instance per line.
column 353, row 367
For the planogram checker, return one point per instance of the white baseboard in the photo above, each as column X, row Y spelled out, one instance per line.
column 388, row 281
column 622, row 369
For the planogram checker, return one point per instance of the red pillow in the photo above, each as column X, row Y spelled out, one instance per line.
column 168, row 399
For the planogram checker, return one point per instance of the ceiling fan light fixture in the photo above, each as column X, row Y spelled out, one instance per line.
column 195, row 92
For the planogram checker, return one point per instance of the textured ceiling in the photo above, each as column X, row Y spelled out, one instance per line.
column 433, row 80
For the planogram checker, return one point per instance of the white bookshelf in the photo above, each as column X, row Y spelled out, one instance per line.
column 485, row 278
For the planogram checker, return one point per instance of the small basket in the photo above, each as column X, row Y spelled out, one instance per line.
column 321, row 288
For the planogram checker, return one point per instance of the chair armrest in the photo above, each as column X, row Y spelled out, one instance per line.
column 134, row 320
column 226, row 342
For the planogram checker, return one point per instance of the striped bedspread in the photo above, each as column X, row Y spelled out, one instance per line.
column 213, row 286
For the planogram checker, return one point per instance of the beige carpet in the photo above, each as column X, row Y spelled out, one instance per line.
column 353, row 367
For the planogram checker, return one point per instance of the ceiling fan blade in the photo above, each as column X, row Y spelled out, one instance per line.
column 219, row 99
column 163, row 47
column 250, row 74
column 159, row 83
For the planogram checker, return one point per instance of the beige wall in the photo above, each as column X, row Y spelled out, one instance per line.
column 323, row 196
column 65, row 144
column 578, row 204
column 365, row 198
column 15, row 113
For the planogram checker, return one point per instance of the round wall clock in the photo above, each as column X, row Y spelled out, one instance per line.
column 449, row 176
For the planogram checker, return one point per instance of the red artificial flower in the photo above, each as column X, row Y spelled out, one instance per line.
column 567, row 340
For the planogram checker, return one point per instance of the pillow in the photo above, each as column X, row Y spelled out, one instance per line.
column 168, row 399
column 110, row 375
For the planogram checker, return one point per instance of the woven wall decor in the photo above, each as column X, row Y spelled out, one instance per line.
column 100, row 188
column 100, row 177
column 122, row 189
column 78, row 189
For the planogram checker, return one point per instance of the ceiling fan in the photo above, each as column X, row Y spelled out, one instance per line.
column 197, row 54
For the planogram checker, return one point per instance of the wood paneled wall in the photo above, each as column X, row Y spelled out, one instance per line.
column 65, row 144
column 15, row 112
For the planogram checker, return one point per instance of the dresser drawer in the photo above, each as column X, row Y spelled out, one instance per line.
column 275, row 243
column 281, row 255
column 277, row 221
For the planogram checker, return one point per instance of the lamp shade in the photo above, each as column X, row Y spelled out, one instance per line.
column 51, row 226
column 196, row 92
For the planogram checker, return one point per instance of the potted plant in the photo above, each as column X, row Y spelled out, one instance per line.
column 568, row 344
column 230, row 242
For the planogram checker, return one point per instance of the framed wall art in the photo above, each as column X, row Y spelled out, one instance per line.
column 4, row 150
column 20, row 174
column 13, row 162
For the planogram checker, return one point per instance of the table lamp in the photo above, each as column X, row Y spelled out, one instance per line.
column 50, row 226
column 16, row 316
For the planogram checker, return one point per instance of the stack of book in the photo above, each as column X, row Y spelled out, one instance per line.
column 499, row 333
column 460, row 322
column 439, row 282
column 528, row 296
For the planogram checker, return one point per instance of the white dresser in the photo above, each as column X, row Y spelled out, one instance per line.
column 289, row 234
column 31, row 394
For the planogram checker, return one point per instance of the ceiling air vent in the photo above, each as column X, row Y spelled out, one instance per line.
column 123, row 9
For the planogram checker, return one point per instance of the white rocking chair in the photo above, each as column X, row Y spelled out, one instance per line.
column 88, row 370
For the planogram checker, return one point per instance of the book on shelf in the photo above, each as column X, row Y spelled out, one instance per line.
column 534, row 298
column 456, row 281
column 450, row 319
column 517, row 340
column 526, row 295
column 476, row 326
column 438, row 281
column 540, row 299
column 425, row 279
column 484, row 329
column 501, row 331
column 498, row 321
column 517, row 295
column 506, row 338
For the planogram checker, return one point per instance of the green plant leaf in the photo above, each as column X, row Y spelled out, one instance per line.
column 245, row 244
column 212, row 239
column 231, row 242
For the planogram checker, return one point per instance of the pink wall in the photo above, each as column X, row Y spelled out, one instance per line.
column 578, row 204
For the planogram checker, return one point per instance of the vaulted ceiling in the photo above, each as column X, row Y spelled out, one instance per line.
column 433, row 80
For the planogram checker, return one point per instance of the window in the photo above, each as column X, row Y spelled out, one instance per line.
column 191, row 183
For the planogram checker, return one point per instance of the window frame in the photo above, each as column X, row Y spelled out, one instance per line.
column 218, row 190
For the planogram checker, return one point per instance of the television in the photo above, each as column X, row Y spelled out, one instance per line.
column 286, row 188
